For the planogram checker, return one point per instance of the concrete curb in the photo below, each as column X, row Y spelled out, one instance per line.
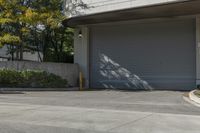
column 187, row 99
column 39, row 89
column 193, row 97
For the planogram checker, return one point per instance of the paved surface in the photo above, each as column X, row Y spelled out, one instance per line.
column 98, row 112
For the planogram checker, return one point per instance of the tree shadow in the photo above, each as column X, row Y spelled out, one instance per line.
column 74, row 7
column 114, row 76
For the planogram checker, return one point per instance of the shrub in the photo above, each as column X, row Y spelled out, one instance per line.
column 198, row 86
column 197, row 93
column 30, row 78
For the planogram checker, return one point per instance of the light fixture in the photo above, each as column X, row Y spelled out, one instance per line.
column 80, row 34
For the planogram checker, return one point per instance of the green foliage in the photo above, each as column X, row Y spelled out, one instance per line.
column 21, row 22
column 198, row 86
column 30, row 78
column 60, row 48
column 8, row 39
column 197, row 93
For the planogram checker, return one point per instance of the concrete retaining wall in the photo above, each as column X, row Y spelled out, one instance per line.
column 64, row 70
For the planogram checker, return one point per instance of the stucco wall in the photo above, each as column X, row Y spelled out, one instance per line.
column 96, row 6
column 81, row 50
column 66, row 71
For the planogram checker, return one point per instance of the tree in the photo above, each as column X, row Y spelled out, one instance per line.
column 21, row 19
column 6, row 19
column 16, row 20
column 60, row 48
column 35, row 25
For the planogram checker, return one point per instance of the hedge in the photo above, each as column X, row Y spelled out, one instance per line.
column 30, row 78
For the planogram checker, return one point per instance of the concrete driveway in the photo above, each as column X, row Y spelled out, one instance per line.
column 98, row 112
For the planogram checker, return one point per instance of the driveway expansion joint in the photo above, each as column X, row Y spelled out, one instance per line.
column 131, row 122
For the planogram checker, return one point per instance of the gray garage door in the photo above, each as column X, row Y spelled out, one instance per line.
column 159, row 55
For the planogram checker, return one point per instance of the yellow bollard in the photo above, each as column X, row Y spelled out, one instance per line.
column 81, row 81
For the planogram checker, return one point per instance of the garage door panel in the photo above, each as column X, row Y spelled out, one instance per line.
column 155, row 55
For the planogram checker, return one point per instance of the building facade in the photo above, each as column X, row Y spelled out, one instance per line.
column 75, row 8
column 137, row 44
column 28, row 56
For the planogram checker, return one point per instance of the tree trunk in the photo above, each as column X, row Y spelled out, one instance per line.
column 21, row 52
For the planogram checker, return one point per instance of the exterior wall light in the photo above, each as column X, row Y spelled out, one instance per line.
column 80, row 34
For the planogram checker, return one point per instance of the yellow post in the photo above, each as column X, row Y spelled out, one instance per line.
column 81, row 81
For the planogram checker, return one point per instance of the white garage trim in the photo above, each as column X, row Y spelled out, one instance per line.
column 81, row 50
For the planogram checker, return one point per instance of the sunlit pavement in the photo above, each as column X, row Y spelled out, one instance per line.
column 98, row 112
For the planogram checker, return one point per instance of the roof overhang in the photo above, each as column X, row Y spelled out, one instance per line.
column 188, row 7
